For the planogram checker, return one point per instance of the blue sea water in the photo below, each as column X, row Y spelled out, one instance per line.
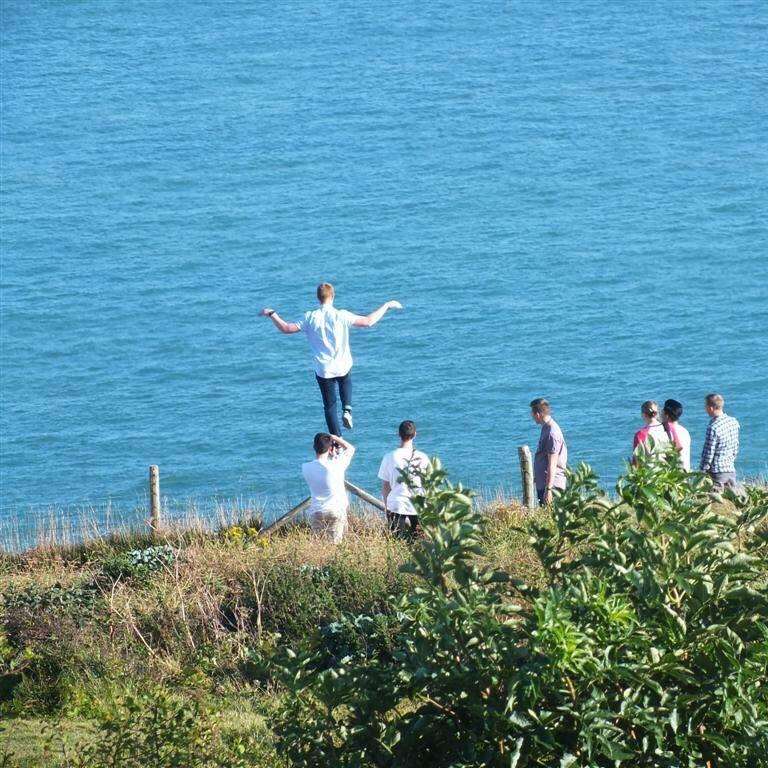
column 569, row 198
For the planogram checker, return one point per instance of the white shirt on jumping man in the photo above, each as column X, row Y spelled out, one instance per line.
column 327, row 330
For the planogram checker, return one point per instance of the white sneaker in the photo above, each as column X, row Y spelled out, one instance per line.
column 346, row 418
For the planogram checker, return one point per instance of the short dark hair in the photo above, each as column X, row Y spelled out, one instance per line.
column 322, row 443
column 714, row 400
column 407, row 430
column 540, row 405
column 673, row 410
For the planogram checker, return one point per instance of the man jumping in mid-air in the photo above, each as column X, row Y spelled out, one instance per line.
column 327, row 329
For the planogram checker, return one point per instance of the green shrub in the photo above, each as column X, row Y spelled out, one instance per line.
column 645, row 646
column 299, row 599
column 36, row 625
column 77, row 599
column 138, row 563
column 157, row 729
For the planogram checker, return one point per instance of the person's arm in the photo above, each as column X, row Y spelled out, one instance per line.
column 368, row 321
column 551, row 474
column 280, row 324
column 386, row 488
column 347, row 446
column 708, row 452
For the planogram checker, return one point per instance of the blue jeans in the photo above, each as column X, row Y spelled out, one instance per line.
column 328, row 389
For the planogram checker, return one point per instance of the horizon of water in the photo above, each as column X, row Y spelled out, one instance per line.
column 569, row 199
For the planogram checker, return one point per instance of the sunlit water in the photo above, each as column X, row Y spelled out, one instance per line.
column 569, row 198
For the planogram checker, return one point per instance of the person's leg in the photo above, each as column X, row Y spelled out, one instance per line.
column 413, row 526
column 329, row 525
column 395, row 524
column 723, row 479
column 402, row 526
column 328, row 391
column 540, row 495
column 338, row 528
column 318, row 523
column 345, row 392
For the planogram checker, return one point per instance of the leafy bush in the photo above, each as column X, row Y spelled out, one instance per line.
column 301, row 599
column 33, row 621
column 138, row 563
column 157, row 729
column 646, row 645
column 74, row 599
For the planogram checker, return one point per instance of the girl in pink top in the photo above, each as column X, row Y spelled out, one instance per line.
column 653, row 429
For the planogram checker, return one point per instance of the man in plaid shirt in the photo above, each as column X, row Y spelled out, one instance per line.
column 718, row 459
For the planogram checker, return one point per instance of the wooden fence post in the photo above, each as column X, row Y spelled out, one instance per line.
column 526, row 472
column 154, row 498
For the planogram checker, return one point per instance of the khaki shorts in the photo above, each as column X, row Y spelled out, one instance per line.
column 329, row 525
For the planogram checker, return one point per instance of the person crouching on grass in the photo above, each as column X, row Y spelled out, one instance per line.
column 551, row 459
column 402, row 517
column 325, row 477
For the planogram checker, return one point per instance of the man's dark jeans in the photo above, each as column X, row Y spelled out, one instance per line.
column 328, row 389
column 403, row 526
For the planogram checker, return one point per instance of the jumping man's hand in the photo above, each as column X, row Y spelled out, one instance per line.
column 395, row 305
column 280, row 324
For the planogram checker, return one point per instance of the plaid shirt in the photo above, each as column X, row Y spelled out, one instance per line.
column 720, row 445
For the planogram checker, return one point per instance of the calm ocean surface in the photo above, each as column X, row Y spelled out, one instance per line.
column 569, row 198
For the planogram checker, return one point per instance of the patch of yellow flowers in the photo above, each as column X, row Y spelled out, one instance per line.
column 240, row 534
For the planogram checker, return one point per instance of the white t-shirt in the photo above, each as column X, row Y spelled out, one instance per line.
column 684, row 438
column 325, row 478
column 327, row 330
column 399, row 499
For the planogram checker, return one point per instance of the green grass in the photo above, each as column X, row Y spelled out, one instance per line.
column 85, row 624
column 50, row 742
column 36, row 742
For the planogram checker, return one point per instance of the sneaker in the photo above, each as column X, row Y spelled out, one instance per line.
column 346, row 418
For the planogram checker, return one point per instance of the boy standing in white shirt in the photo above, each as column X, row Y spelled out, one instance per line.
column 401, row 515
column 325, row 477
column 327, row 330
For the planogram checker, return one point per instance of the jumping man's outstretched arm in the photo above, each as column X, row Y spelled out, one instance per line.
column 280, row 324
column 368, row 321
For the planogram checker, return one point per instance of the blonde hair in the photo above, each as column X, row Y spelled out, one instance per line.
column 650, row 408
column 325, row 292
column 715, row 401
